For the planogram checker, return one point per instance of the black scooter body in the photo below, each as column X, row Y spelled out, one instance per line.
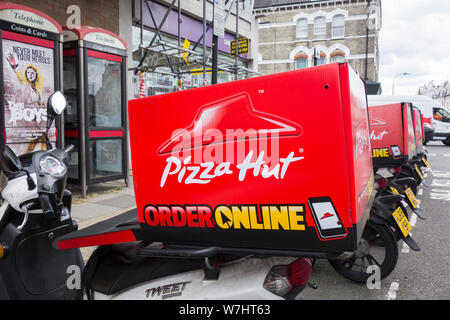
column 32, row 268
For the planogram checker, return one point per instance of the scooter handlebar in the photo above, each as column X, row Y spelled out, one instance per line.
column 46, row 205
column 69, row 148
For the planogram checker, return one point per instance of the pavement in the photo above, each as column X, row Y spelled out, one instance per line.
column 103, row 201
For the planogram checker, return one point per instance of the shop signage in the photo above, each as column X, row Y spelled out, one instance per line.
column 104, row 39
column 28, row 19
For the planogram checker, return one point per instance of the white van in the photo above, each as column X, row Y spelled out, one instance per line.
column 434, row 114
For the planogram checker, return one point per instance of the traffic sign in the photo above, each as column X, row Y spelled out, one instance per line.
column 219, row 18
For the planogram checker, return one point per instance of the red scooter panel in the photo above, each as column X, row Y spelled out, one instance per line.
column 359, row 155
column 422, row 121
column 418, row 130
column 411, row 138
column 279, row 162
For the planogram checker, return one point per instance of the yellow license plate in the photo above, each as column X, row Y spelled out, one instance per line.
column 418, row 172
column 402, row 221
column 412, row 198
column 426, row 162
column 394, row 190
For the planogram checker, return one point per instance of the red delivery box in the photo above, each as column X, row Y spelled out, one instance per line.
column 391, row 134
column 277, row 162
column 418, row 129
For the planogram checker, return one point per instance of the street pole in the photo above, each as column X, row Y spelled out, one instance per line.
column 315, row 57
column 179, row 79
column 204, row 42
column 396, row 76
column 367, row 41
column 237, row 40
column 215, row 40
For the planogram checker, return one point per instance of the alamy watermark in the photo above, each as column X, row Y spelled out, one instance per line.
column 74, row 19
column 73, row 281
column 374, row 280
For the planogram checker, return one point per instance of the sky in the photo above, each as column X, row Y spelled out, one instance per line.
column 414, row 39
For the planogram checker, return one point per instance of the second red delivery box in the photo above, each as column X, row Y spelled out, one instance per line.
column 392, row 134
column 278, row 162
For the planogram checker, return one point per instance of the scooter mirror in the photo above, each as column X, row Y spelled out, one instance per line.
column 56, row 103
column 9, row 162
column 55, row 106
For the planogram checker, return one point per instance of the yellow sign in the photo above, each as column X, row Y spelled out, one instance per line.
column 242, row 46
column 426, row 162
column 418, row 171
column 200, row 71
column 402, row 221
column 394, row 190
column 412, row 198
column 186, row 46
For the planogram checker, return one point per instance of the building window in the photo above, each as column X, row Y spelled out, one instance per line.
column 321, row 59
column 301, row 61
column 320, row 27
column 338, row 26
column 302, row 28
column 337, row 56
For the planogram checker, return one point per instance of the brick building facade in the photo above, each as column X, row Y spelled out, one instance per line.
column 290, row 31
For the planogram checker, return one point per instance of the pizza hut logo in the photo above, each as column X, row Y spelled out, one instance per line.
column 378, row 136
column 327, row 215
column 374, row 122
column 226, row 136
column 228, row 120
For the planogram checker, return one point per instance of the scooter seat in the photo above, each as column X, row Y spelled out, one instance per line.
column 112, row 269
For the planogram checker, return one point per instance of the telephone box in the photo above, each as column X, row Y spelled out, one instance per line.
column 31, row 46
column 94, row 66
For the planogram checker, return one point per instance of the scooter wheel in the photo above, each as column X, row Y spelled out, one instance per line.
column 370, row 253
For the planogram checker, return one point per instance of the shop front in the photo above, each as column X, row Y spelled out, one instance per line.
column 167, row 67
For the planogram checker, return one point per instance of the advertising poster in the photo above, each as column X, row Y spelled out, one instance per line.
column 28, row 74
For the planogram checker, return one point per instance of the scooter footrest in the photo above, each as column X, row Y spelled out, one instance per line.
column 122, row 228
